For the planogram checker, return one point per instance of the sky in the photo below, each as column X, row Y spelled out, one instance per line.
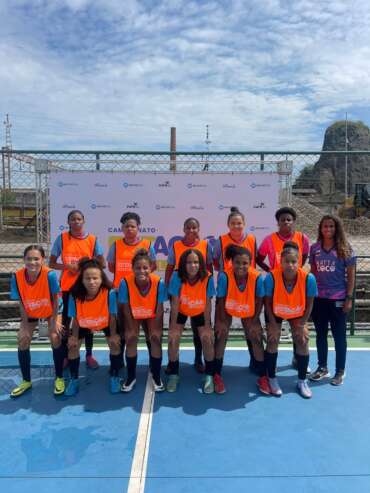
column 117, row 74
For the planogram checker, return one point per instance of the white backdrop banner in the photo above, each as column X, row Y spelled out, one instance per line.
column 163, row 201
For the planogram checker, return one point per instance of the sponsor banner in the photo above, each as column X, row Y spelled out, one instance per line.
column 163, row 201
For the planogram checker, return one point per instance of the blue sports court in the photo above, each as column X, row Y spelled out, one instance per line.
column 186, row 441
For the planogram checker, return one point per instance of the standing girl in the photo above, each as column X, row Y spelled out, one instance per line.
column 37, row 289
column 142, row 295
column 191, row 239
column 289, row 295
column 236, row 236
column 191, row 289
column 240, row 293
column 333, row 264
column 92, row 307
column 71, row 246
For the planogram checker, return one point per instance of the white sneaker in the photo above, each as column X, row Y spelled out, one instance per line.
column 158, row 387
column 128, row 387
column 303, row 389
column 275, row 387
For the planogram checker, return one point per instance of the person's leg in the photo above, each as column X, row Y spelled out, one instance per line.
column 254, row 333
column 273, row 330
column 174, row 337
column 66, row 321
column 89, row 344
column 155, row 329
column 198, row 361
column 24, row 356
column 301, row 339
column 58, row 357
column 320, row 318
column 144, row 324
column 132, row 330
column 338, row 326
column 115, row 362
column 207, row 341
column 74, row 365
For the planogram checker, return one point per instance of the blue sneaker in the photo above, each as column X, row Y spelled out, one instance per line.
column 72, row 388
column 114, row 385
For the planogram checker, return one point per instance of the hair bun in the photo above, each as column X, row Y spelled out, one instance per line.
column 234, row 209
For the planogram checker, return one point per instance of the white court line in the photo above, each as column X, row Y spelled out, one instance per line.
column 140, row 460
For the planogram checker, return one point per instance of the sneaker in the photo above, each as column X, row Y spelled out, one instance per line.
column 21, row 388
column 320, row 373
column 92, row 363
column 275, row 387
column 219, row 386
column 208, row 385
column 199, row 367
column 303, row 389
column 338, row 378
column 264, row 385
column 128, row 386
column 72, row 388
column 158, row 386
column 114, row 385
column 172, row 383
column 59, row 386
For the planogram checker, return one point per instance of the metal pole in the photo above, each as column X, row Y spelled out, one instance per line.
column 173, row 149
column 346, row 166
column 262, row 165
column 97, row 157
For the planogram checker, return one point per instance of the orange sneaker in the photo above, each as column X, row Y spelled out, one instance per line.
column 219, row 384
column 92, row 363
column 263, row 385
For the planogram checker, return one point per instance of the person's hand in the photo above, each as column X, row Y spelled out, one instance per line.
column 347, row 307
column 59, row 328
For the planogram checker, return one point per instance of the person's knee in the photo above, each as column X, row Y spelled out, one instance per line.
column 155, row 338
column 131, row 338
column 207, row 338
column 24, row 340
column 55, row 340
column 173, row 338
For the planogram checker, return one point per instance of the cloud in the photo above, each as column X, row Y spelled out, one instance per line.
column 113, row 74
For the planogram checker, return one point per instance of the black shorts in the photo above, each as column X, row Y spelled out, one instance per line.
column 32, row 320
column 197, row 320
column 84, row 332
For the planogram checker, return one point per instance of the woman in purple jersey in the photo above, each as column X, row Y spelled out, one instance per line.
column 333, row 264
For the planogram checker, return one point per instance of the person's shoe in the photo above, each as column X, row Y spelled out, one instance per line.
column 303, row 389
column 264, row 385
column 172, row 383
column 114, row 385
column 92, row 363
column 219, row 385
column 128, row 386
column 338, row 378
column 199, row 367
column 208, row 385
column 158, row 386
column 275, row 387
column 320, row 373
column 21, row 388
column 59, row 386
column 72, row 388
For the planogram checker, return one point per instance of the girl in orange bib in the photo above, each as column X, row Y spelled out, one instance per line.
column 192, row 240
column 191, row 289
column 240, row 293
column 289, row 295
column 92, row 307
column 71, row 246
column 141, row 296
column 37, row 289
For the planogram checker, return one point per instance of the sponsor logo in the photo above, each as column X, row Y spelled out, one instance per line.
column 100, row 206
column 68, row 206
column 197, row 208
column 126, row 184
column 101, row 185
column 287, row 310
column 67, row 184
column 196, row 185
column 261, row 205
column 134, row 205
column 165, row 184
column 158, row 207
column 222, row 206
column 117, row 229
column 238, row 307
column 258, row 228
column 36, row 304
column 259, row 185
column 62, row 227
column 93, row 322
column 228, row 185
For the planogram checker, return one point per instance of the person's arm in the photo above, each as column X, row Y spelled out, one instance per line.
column 111, row 259
column 260, row 261
column 350, row 271
column 55, row 318
column 24, row 316
column 101, row 261
column 207, row 312
column 169, row 270
column 73, row 338
column 53, row 264
column 309, row 304
column 258, row 308
column 175, row 302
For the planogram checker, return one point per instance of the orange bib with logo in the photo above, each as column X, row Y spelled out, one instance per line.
column 124, row 255
column 36, row 298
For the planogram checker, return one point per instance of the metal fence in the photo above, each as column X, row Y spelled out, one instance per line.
column 24, row 200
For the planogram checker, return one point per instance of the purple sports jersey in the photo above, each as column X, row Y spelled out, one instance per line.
column 330, row 272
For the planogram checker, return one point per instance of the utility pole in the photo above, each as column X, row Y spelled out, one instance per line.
column 7, row 150
column 207, row 142
column 346, row 163
column 173, row 149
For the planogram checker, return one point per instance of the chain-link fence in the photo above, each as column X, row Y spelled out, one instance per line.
column 24, row 207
